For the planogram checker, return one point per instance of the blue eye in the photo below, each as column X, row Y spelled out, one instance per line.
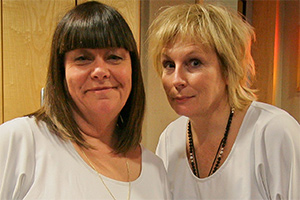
column 195, row 62
column 168, row 64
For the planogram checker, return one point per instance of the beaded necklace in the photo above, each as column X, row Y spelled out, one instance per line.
column 218, row 157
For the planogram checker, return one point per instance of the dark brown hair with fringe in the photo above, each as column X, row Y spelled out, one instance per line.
column 91, row 25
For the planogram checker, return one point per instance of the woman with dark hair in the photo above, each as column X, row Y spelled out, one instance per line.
column 225, row 144
column 84, row 142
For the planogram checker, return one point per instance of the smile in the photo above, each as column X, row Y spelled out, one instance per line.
column 100, row 89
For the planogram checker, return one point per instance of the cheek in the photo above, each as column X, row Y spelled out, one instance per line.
column 166, row 82
column 68, row 79
column 124, row 77
column 73, row 80
column 127, row 74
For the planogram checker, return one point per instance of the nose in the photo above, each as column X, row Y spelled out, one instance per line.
column 179, row 78
column 100, row 70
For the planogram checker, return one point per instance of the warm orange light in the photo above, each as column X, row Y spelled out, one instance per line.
column 276, row 52
column 298, row 64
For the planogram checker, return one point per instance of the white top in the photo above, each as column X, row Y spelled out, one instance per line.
column 36, row 164
column 264, row 162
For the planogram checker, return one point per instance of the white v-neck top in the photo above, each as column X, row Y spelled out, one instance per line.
column 36, row 164
column 264, row 162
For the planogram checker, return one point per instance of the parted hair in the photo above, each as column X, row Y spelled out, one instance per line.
column 216, row 27
column 91, row 25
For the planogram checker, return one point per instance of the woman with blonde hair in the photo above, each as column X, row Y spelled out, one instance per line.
column 225, row 144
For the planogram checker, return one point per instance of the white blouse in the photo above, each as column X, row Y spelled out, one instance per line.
column 36, row 164
column 264, row 162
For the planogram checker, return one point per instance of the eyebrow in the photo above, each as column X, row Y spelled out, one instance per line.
column 187, row 54
column 165, row 55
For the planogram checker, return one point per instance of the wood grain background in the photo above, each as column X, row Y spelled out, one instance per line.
column 28, row 26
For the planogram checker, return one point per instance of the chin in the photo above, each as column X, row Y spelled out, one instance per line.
column 182, row 111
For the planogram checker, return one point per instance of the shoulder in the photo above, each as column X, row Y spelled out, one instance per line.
column 276, row 136
column 21, row 133
column 182, row 120
column 175, row 131
column 269, row 112
column 152, row 162
column 176, row 127
column 17, row 128
column 17, row 159
column 16, row 121
column 17, row 135
column 273, row 126
column 172, row 140
column 148, row 155
column 268, row 116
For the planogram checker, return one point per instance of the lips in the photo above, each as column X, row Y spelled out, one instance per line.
column 182, row 99
column 96, row 89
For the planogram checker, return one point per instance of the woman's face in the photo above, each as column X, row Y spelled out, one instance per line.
column 192, row 79
column 99, row 80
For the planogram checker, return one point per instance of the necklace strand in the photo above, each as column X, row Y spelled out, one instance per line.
column 111, row 194
column 193, row 158
column 220, row 151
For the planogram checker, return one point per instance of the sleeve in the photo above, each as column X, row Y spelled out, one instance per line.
column 16, row 159
column 278, row 171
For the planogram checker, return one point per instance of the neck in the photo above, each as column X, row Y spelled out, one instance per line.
column 96, row 132
column 218, row 155
column 211, row 123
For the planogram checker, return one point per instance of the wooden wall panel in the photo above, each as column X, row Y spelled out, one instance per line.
column 1, row 69
column 264, row 22
column 130, row 10
column 289, row 98
column 27, row 31
column 158, row 111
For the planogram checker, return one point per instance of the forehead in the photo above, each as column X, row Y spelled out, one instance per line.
column 186, row 45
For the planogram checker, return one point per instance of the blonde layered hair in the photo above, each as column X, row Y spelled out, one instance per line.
column 215, row 27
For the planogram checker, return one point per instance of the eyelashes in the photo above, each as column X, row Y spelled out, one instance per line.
column 168, row 64
column 86, row 59
column 113, row 58
column 82, row 60
column 190, row 63
column 195, row 62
